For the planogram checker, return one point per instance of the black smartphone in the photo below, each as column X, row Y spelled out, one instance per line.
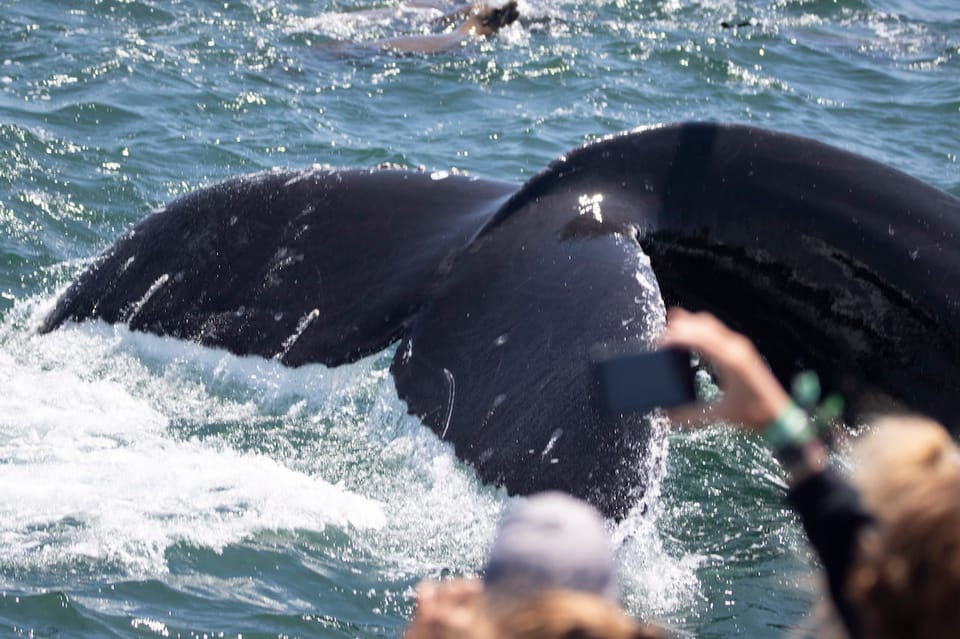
column 638, row 382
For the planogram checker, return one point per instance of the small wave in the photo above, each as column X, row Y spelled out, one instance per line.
column 94, row 472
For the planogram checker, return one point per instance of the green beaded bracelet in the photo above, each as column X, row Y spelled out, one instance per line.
column 792, row 429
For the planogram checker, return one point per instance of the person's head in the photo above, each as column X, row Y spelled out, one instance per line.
column 907, row 580
column 899, row 453
column 568, row 614
column 546, row 543
column 461, row 609
column 551, row 541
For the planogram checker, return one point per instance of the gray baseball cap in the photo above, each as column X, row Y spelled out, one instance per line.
column 551, row 541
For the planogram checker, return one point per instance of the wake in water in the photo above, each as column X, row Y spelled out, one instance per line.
column 121, row 447
column 112, row 453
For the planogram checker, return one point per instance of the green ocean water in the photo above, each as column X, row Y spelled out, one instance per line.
column 152, row 488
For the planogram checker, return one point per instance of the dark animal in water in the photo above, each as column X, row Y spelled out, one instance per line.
column 496, row 293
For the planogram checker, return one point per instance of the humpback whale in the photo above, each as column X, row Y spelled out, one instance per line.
column 494, row 293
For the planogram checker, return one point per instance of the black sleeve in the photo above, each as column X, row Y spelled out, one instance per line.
column 833, row 518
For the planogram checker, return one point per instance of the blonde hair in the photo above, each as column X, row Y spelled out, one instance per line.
column 906, row 581
column 898, row 454
column 567, row 614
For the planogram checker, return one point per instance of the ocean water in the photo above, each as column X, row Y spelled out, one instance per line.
column 154, row 488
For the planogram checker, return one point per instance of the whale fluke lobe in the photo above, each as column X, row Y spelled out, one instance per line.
column 312, row 266
column 497, row 292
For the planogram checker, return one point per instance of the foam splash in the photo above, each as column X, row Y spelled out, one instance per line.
column 656, row 579
column 120, row 445
column 93, row 474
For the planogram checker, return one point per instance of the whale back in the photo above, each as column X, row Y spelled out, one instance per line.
column 828, row 260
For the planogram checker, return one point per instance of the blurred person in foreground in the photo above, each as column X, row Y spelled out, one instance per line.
column 891, row 553
column 458, row 608
column 550, row 574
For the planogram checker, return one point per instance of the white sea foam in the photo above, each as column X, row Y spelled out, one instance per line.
column 91, row 470
column 117, row 445
column 656, row 578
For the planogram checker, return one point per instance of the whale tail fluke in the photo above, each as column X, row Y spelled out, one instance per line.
column 496, row 293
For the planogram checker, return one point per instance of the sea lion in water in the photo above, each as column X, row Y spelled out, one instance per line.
column 481, row 20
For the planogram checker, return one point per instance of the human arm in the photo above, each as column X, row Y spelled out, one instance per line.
column 753, row 399
column 829, row 507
